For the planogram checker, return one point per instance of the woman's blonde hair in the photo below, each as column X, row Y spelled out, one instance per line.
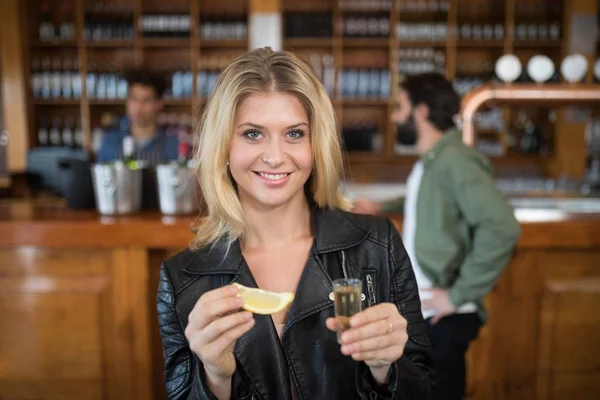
column 260, row 71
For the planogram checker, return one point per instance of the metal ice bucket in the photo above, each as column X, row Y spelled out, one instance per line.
column 176, row 189
column 118, row 188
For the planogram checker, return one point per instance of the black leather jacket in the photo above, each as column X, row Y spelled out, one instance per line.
column 345, row 245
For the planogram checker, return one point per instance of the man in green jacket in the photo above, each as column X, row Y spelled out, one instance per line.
column 458, row 230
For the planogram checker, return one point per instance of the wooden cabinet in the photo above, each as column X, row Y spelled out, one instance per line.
column 78, row 308
column 72, row 324
column 540, row 341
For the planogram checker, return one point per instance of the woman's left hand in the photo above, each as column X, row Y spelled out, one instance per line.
column 376, row 336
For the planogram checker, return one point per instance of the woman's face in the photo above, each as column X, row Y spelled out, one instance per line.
column 270, row 156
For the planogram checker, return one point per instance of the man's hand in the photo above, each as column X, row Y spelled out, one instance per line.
column 439, row 301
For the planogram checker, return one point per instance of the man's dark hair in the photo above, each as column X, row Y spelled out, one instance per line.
column 437, row 93
column 147, row 78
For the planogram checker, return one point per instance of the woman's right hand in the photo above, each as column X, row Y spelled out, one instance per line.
column 214, row 325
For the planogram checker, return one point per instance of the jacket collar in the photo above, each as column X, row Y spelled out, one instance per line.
column 333, row 231
column 450, row 136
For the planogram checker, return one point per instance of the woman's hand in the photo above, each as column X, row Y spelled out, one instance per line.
column 214, row 325
column 376, row 336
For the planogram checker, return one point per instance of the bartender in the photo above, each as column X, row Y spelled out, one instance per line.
column 144, row 101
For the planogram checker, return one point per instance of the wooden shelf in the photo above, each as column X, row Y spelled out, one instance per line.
column 52, row 43
column 107, row 102
column 361, row 102
column 229, row 44
column 178, row 102
column 365, row 156
column 121, row 102
column 116, row 43
column 418, row 43
column 166, row 42
column 308, row 42
column 366, row 42
column 480, row 43
column 55, row 102
column 525, row 44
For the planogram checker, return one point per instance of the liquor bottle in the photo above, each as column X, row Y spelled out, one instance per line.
column 55, row 135
column 67, row 133
column 67, row 25
column 56, row 78
column 76, row 80
column 183, row 153
column 91, row 81
column 43, row 135
column 66, row 80
column 46, row 79
column 128, row 150
column 97, row 138
column 46, row 27
column 78, row 135
column 36, row 78
column 122, row 87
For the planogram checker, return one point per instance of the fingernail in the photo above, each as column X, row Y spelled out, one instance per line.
column 345, row 338
column 233, row 289
column 239, row 301
column 247, row 316
column 346, row 349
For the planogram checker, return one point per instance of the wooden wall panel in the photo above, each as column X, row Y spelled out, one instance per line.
column 568, row 347
column 540, row 339
column 75, row 324
column 14, row 84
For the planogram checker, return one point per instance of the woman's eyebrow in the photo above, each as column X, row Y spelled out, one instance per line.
column 262, row 127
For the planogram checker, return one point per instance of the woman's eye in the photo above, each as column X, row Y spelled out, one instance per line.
column 252, row 134
column 296, row 134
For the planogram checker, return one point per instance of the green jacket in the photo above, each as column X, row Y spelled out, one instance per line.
column 466, row 231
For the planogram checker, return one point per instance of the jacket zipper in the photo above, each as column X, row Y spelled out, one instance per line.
column 345, row 272
column 370, row 290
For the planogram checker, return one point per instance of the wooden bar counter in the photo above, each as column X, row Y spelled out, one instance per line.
column 78, row 319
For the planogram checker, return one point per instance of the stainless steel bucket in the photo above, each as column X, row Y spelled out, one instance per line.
column 118, row 188
column 176, row 189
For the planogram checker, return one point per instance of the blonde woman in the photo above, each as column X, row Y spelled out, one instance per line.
column 270, row 162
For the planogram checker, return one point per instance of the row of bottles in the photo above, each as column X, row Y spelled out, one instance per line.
column 180, row 84
column 365, row 27
column 422, row 31
column 364, row 83
column 105, row 83
column 300, row 25
column 108, row 21
column 423, row 6
column 60, row 132
column 362, row 136
column 364, row 5
column 481, row 31
column 223, row 30
column 65, row 29
column 324, row 67
column 164, row 25
column 531, row 136
column 176, row 125
column 463, row 86
column 420, row 60
column 538, row 31
column 55, row 78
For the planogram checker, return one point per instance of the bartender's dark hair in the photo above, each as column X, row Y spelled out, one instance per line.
column 147, row 78
column 438, row 94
